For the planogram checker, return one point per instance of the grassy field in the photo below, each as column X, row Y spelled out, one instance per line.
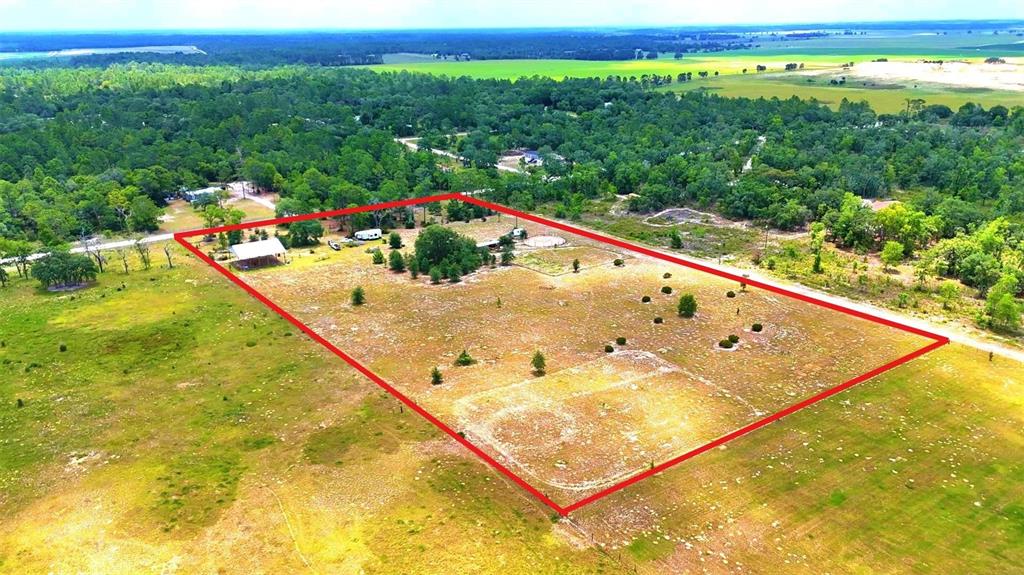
column 180, row 216
column 187, row 429
column 883, row 98
column 558, row 69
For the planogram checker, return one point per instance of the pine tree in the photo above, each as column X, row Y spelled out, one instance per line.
column 435, row 376
column 396, row 262
column 539, row 363
column 358, row 296
column 687, row 305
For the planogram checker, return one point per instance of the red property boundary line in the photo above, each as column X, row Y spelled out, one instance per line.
column 938, row 340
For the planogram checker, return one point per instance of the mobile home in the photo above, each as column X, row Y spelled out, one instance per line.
column 374, row 234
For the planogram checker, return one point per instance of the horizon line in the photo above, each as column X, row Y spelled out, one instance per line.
column 710, row 26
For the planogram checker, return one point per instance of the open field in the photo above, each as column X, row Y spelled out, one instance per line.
column 886, row 91
column 613, row 405
column 886, row 95
column 180, row 216
column 276, row 457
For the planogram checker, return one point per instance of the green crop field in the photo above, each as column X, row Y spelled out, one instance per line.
column 818, row 55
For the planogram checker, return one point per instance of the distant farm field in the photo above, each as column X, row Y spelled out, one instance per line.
column 822, row 59
column 558, row 69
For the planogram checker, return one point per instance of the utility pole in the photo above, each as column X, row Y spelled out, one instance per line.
column 766, row 238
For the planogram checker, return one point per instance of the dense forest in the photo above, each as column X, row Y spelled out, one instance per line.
column 88, row 150
column 346, row 48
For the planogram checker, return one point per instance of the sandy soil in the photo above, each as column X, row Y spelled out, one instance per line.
column 1008, row 76
column 502, row 315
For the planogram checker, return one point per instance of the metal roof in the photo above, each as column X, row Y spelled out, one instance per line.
column 262, row 248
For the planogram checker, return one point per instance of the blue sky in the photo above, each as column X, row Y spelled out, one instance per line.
column 348, row 14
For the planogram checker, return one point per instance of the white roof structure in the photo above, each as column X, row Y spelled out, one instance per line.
column 260, row 249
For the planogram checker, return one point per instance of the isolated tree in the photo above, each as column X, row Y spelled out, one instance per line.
column 395, row 241
column 414, row 266
column 122, row 254
column 64, row 269
column 396, row 262
column 378, row 257
column 464, row 359
column 435, row 275
column 892, row 254
column 92, row 250
column 507, row 256
column 435, row 376
column 575, row 266
column 167, row 254
column 538, row 362
column 687, row 305
column 358, row 296
column 676, row 239
column 142, row 249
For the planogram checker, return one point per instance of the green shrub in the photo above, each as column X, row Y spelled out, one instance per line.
column 730, row 293
column 608, row 349
column 358, row 296
column 734, row 338
column 646, row 299
column 725, row 344
column 63, row 347
column 435, row 376
column 659, row 320
column 620, row 340
column 756, row 327
column 666, row 290
column 687, row 305
column 666, row 276
column 464, row 359
column 619, row 263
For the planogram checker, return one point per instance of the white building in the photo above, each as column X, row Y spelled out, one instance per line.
column 374, row 234
column 255, row 254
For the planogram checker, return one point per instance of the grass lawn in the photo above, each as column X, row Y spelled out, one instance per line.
column 180, row 216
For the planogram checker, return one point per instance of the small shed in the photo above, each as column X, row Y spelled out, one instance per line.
column 256, row 254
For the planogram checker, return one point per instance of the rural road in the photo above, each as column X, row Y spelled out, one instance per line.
column 412, row 145
column 111, row 245
column 238, row 192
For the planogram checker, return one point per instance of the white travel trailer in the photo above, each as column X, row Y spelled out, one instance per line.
column 374, row 234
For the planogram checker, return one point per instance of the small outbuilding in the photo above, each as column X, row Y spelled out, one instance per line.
column 258, row 254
